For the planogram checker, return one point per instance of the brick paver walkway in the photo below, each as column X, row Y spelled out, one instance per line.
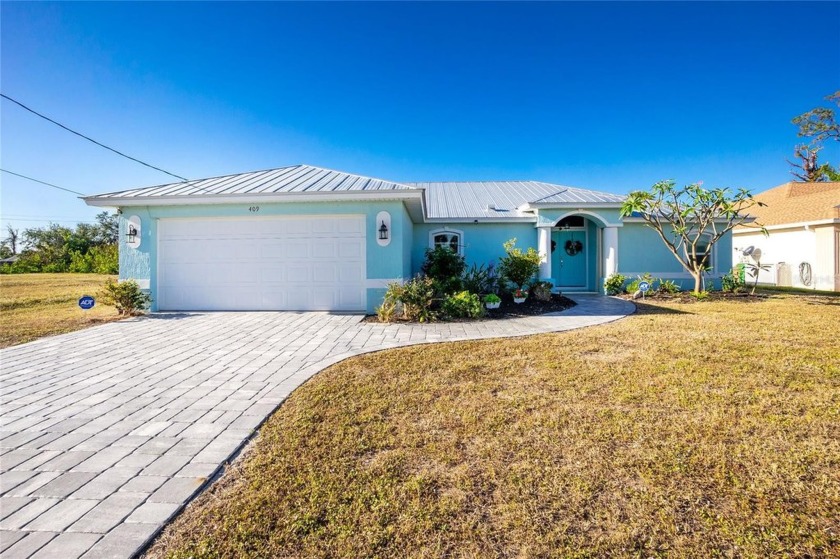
column 108, row 432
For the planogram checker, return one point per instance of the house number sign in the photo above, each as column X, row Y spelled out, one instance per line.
column 254, row 209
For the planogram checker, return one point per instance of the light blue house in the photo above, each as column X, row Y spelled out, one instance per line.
column 306, row 238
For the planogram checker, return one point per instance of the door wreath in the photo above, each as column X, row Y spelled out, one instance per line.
column 573, row 247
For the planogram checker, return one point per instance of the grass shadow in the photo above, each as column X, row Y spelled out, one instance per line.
column 643, row 307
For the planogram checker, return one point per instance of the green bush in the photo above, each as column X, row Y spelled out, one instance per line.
column 415, row 296
column 445, row 267
column 731, row 281
column 614, row 284
column 126, row 296
column 668, row 286
column 386, row 311
column 542, row 290
column 481, row 279
column 492, row 298
column 463, row 305
column 519, row 267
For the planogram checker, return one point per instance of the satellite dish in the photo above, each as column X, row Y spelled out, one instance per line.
column 749, row 250
column 756, row 254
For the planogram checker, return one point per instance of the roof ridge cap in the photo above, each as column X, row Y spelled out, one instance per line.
column 357, row 175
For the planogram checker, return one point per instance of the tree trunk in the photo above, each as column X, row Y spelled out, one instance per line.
column 698, row 280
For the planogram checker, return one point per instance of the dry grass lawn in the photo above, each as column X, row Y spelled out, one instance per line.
column 36, row 305
column 687, row 430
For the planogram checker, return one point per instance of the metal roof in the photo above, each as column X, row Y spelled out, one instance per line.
column 489, row 200
column 502, row 199
column 294, row 179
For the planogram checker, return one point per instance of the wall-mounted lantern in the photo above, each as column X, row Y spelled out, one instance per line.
column 383, row 231
column 132, row 231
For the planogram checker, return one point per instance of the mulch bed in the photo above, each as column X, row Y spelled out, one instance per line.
column 509, row 309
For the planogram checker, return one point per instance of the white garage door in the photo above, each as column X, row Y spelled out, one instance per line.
column 277, row 263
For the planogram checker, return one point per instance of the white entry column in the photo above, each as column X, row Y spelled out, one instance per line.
column 544, row 248
column 610, row 250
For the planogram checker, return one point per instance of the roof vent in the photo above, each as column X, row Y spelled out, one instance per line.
column 491, row 207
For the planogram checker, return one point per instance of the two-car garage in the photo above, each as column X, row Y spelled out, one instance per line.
column 305, row 263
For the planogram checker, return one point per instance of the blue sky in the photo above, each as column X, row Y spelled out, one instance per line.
column 608, row 96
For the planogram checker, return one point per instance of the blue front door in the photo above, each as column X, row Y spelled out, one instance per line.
column 569, row 259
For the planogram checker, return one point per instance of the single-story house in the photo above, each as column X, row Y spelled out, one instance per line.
column 307, row 238
column 802, row 247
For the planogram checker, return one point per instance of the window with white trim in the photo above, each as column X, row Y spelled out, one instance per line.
column 703, row 251
column 447, row 238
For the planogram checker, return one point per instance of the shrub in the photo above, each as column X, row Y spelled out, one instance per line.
column 542, row 290
column 668, row 286
column 700, row 295
column 126, row 296
column 462, row 305
column 386, row 311
column 481, row 279
column 519, row 267
column 732, row 281
column 614, row 284
column 445, row 267
column 492, row 298
column 415, row 296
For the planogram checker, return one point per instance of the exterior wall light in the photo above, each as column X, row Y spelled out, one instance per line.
column 383, row 232
column 133, row 231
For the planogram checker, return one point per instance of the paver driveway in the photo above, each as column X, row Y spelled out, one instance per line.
column 108, row 432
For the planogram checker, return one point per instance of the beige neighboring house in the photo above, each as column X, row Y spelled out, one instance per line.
column 803, row 245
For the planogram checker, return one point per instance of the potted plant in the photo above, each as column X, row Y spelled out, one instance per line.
column 492, row 301
column 519, row 296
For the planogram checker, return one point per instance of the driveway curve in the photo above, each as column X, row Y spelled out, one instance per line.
column 108, row 432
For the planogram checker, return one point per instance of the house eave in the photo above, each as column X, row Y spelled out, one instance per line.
column 273, row 197
column 797, row 225
column 481, row 219
column 632, row 219
column 568, row 205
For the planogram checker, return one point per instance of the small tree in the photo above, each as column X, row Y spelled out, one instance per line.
column 689, row 218
column 818, row 124
column 12, row 238
column 445, row 267
column 517, row 266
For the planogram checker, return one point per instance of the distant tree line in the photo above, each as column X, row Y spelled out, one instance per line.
column 87, row 248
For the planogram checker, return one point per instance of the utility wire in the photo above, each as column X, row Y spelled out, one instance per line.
column 42, row 182
column 90, row 139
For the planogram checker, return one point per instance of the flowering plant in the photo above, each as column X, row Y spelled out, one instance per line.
column 519, row 294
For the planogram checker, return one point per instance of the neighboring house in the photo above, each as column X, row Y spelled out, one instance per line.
column 10, row 260
column 306, row 238
column 803, row 245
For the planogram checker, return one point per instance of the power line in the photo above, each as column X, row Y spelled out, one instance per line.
column 12, row 220
column 91, row 139
column 42, row 182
